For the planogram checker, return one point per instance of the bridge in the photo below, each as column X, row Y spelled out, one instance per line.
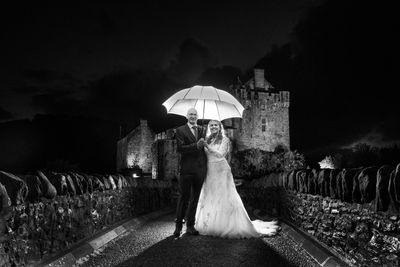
column 147, row 241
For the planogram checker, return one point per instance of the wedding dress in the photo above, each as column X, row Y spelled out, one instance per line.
column 220, row 210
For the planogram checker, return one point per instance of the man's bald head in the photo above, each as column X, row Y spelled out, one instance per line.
column 191, row 110
column 191, row 115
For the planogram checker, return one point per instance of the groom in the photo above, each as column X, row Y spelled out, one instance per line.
column 193, row 171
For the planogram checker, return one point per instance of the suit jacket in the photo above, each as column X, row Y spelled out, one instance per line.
column 193, row 160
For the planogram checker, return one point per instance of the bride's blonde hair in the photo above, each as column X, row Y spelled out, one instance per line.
column 218, row 136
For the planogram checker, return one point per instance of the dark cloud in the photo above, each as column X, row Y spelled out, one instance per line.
column 108, row 24
column 338, row 65
column 47, row 76
column 4, row 115
column 27, row 89
column 339, row 69
column 59, row 102
column 191, row 60
column 32, row 82
column 122, row 96
column 220, row 77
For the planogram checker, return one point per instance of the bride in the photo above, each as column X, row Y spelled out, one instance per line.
column 220, row 211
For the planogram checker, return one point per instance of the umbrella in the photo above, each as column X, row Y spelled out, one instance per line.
column 211, row 103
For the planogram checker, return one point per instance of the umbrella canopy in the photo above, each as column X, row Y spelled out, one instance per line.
column 211, row 103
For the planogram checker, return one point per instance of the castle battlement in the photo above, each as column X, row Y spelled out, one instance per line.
column 265, row 122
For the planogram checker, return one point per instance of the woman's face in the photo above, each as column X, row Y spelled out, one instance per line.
column 214, row 127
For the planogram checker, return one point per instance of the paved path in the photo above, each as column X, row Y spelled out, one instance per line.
column 153, row 245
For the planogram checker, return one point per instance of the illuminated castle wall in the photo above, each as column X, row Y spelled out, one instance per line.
column 265, row 122
column 265, row 125
column 135, row 148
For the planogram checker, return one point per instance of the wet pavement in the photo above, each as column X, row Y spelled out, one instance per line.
column 153, row 245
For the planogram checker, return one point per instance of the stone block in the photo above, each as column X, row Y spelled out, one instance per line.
column 382, row 197
column 323, row 182
column 394, row 190
column 348, row 178
column 302, row 179
column 312, row 182
column 35, row 191
column 17, row 189
column 367, row 185
column 333, row 190
column 59, row 181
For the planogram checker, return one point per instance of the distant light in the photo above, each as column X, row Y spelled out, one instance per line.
column 135, row 175
column 327, row 163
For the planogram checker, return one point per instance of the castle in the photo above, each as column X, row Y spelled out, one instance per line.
column 264, row 125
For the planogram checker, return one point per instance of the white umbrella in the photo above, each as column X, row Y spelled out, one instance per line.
column 211, row 103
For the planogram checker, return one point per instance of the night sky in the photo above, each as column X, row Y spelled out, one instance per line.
column 119, row 62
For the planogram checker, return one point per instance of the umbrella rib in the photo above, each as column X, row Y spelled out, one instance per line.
column 219, row 116
column 186, row 93
column 237, row 109
column 218, row 95
column 204, row 106
column 173, row 105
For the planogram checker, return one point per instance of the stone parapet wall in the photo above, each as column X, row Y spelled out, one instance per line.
column 355, row 212
column 36, row 222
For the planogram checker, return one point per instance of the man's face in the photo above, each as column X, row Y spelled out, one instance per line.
column 192, row 116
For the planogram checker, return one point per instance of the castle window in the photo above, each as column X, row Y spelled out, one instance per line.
column 256, row 95
column 248, row 95
column 263, row 124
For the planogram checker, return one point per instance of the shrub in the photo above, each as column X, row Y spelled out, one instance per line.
column 254, row 163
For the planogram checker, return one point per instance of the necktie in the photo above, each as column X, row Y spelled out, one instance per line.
column 195, row 131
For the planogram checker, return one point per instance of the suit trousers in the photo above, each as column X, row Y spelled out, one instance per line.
column 189, row 189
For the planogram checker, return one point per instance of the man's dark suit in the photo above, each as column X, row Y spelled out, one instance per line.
column 193, row 172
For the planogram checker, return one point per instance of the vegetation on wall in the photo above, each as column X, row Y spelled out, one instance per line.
column 255, row 163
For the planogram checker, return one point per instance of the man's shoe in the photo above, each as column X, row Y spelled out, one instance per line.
column 178, row 229
column 191, row 231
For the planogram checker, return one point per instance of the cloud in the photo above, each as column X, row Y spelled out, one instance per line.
column 341, row 80
column 126, row 96
column 220, row 77
column 375, row 138
column 4, row 115
column 59, row 102
column 47, row 76
column 108, row 24
column 191, row 60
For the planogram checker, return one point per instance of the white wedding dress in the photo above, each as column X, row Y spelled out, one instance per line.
column 220, row 211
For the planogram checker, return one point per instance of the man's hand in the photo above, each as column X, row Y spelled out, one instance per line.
column 201, row 143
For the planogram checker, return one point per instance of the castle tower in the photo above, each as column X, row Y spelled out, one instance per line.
column 265, row 122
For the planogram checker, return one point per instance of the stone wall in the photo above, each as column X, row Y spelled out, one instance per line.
column 166, row 159
column 355, row 212
column 135, row 148
column 45, row 213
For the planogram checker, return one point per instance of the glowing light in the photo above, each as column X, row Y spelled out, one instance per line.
column 135, row 175
column 328, row 163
